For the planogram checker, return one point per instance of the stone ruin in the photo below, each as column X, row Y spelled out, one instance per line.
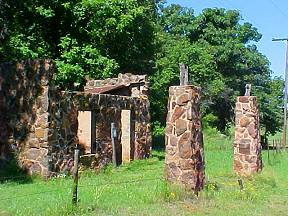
column 41, row 126
column 247, row 146
column 184, row 160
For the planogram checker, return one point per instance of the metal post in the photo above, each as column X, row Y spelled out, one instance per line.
column 285, row 93
column 113, row 137
column 75, row 177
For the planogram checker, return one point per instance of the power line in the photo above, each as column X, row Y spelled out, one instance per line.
column 285, row 92
column 281, row 11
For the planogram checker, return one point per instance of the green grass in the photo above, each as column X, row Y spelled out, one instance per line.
column 139, row 189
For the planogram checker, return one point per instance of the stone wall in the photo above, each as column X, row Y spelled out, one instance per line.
column 39, row 123
column 64, row 125
column 247, row 147
column 24, row 113
column 184, row 161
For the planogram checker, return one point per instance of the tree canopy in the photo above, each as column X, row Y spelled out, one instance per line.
column 100, row 38
column 95, row 38
column 222, row 57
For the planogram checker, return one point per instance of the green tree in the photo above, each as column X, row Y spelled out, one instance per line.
column 221, row 57
column 96, row 38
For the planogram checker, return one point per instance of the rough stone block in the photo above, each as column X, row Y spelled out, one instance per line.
column 39, row 132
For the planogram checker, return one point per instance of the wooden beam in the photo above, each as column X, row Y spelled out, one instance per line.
column 248, row 90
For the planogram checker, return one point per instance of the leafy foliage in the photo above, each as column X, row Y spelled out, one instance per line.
column 221, row 57
column 100, row 38
column 95, row 38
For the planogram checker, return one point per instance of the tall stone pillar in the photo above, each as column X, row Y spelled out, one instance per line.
column 184, row 160
column 247, row 147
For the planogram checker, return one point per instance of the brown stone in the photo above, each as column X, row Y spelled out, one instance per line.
column 36, row 168
column 239, row 130
column 42, row 121
column 237, row 165
column 182, row 99
column 178, row 111
column 173, row 105
column 170, row 150
column 169, row 128
column 171, row 171
column 245, row 142
column 243, row 99
column 33, row 153
column 39, row 132
column 34, row 143
column 184, row 143
column 189, row 179
column 244, row 149
column 244, row 121
column 181, row 126
column 251, row 159
column 252, row 130
column 187, row 164
column 173, row 140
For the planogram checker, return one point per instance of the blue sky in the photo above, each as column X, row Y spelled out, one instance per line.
column 270, row 17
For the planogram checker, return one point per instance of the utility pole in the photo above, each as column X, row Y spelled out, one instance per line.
column 285, row 92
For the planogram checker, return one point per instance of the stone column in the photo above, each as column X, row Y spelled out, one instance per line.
column 247, row 147
column 184, row 160
column 34, row 156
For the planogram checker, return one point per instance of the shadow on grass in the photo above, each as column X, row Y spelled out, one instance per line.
column 158, row 147
column 11, row 172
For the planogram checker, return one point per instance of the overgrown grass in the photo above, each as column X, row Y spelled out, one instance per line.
column 139, row 189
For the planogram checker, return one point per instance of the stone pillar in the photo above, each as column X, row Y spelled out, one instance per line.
column 34, row 156
column 247, row 147
column 184, row 160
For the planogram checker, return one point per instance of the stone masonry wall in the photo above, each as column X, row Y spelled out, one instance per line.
column 184, row 160
column 38, row 123
column 247, row 147
column 63, row 124
column 24, row 113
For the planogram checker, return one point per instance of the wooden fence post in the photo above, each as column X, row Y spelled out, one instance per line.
column 75, row 177
column 113, row 137
column 241, row 186
column 268, row 149
column 273, row 148
column 183, row 74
